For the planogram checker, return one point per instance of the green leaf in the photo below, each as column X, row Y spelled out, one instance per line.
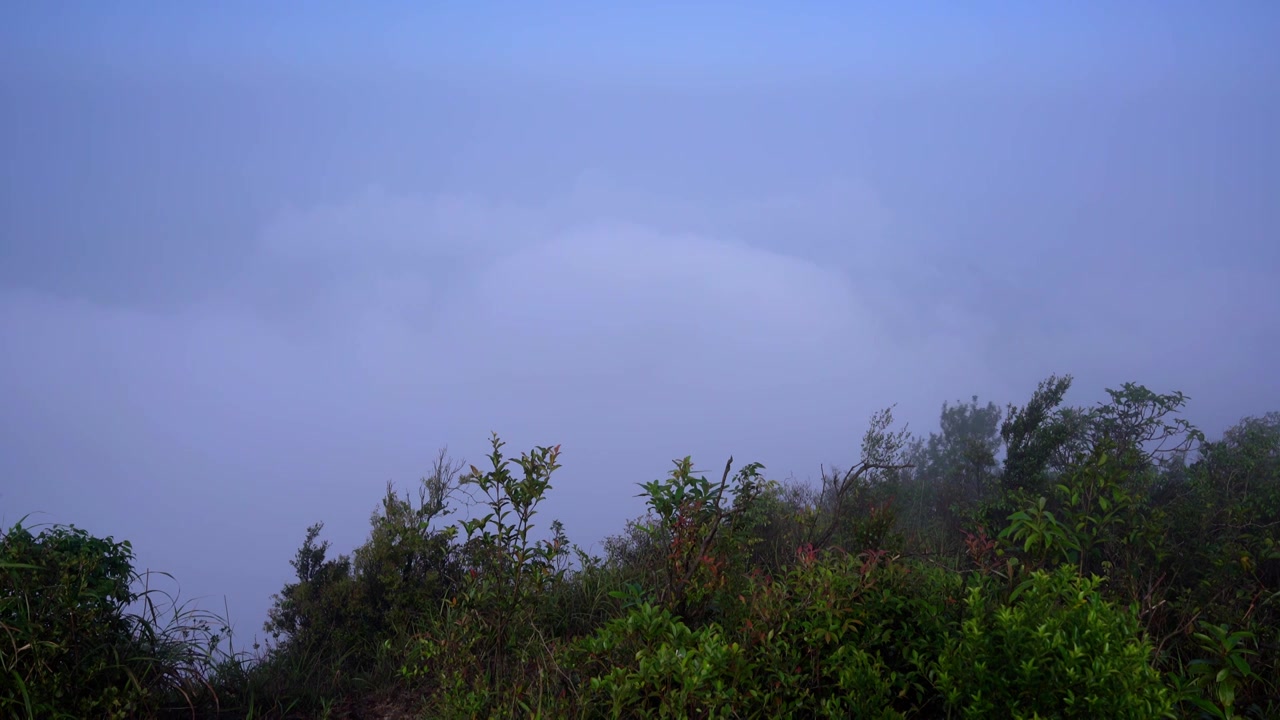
column 1241, row 665
column 1227, row 695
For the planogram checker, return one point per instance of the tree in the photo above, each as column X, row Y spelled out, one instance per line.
column 957, row 466
column 1039, row 438
column 1140, row 423
column 847, row 512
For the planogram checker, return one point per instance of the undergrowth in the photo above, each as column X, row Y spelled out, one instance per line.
column 1113, row 564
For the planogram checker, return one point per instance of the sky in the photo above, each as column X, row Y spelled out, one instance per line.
column 257, row 261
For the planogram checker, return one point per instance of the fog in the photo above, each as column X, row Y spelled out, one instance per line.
column 254, row 265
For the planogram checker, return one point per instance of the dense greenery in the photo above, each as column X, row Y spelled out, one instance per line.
column 1036, row 561
column 71, row 646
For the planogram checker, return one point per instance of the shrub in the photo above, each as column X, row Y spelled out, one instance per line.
column 703, row 525
column 1053, row 649
column 69, row 645
column 651, row 664
column 807, row 636
column 836, row 636
column 488, row 649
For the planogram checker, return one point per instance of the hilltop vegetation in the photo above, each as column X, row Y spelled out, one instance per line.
column 1038, row 560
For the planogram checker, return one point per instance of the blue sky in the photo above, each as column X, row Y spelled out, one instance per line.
column 573, row 42
column 257, row 261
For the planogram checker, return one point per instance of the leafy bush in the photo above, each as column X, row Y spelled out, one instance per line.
column 702, row 526
column 69, row 645
column 350, row 622
column 1055, row 648
column 487, row 647
column 64, row 599
column 652, row 664
column 844, row 636
column 837, row 636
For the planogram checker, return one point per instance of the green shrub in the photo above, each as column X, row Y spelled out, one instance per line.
column 488, row 651
column 653, row 666
column 63, row 602
column 1054, row 649
column 842, row 635
column 69, row 645
column 836, row 636
column 345, row 628
column 810, row 641
column 702, row 526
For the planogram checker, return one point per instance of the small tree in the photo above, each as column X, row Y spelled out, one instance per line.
column 842, row 513
column 489, row 655
column 704, row 523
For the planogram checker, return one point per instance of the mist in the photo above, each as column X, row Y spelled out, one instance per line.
column 255, row 265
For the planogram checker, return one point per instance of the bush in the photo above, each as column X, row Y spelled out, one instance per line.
column 1053, row 649
column 651, row 664
column 836, row 636
column 69, row 647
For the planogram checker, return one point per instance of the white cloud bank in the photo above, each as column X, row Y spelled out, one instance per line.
column 364, row 335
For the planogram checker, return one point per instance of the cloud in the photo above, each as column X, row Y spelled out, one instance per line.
column 376, row 225
column 362, row 335
column 630, row 328
column 663, row 299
